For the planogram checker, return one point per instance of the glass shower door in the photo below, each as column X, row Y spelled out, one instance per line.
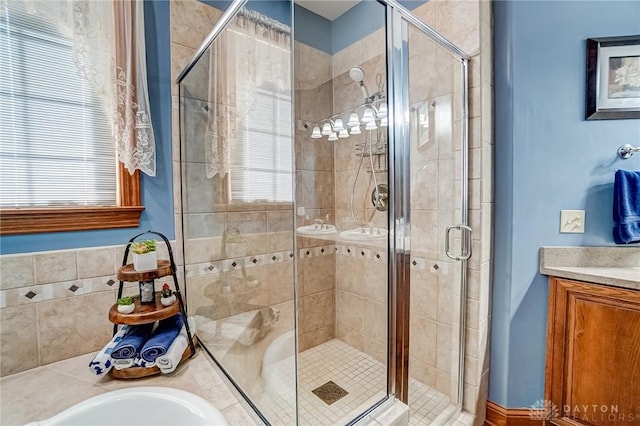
column 341, row 217
column 434, row 166
column 237, row 172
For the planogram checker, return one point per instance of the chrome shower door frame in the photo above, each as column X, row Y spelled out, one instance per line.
column 399, row 219
column 399, row 205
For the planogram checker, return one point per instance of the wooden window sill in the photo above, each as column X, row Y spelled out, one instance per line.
column 37, row 220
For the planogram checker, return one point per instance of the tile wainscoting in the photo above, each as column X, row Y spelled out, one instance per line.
column 54, row 305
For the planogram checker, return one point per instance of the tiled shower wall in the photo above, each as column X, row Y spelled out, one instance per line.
column 435, row 293
column 314, row 196
column 361, row 277
column 468, row 25
column 362, row 282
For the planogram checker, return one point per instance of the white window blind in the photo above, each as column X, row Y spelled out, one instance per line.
column 56, row 146
column 261, row 163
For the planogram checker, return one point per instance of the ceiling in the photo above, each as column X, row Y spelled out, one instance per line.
column 329, row 9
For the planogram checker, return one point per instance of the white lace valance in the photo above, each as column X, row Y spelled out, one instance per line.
column 109, row 52
column 254, row 51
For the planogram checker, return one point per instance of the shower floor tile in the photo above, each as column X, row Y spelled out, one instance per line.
column 363, row 377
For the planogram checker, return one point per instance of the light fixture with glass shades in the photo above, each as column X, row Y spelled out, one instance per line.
column 372, row 114
column 353, row 120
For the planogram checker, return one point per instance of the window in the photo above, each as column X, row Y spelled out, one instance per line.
column 58, row 164
column 261, row 166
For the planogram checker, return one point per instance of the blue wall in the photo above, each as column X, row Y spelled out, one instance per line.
column 318, row 32
column 280, row 10
column 548, row 158
column 157, row 192
column 353, row 25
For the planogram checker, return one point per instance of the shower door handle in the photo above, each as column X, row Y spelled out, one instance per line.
column 465, row 252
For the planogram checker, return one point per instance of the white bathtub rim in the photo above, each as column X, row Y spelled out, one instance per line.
column 187, row 399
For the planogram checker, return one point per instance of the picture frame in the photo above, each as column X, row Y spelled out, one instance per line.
column 613, row 78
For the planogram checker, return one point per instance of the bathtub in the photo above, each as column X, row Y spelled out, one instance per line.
column 139, row 406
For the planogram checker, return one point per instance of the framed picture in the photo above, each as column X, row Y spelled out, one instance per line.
column 613, row 78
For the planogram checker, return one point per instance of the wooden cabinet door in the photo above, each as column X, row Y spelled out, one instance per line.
column 593, row 353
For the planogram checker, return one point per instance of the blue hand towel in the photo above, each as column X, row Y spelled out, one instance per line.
column 166, row 332
column 132, row 342
column 626, row 207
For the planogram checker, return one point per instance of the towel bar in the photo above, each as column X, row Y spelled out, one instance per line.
column 626, row 151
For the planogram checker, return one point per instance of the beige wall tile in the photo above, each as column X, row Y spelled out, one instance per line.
column 349, row 336
column 447, row 314
column 422, row 371
column 204, row 195
column 319, row 274
column 318, row 153
column 424, row 294
column 249, row 289
column 424, row 185
column 344, row 60
column 350, row 274
column 55, row 266
column 350, row 310
column 318, row 337
column 95, row 262
column 18, row 339
column 204, row 225
column 376, row 281
column 314, row 66
column 73, row 326
column 317, row 311
column 424, row 237
column 443, row 382
column 316, row 103
column 16, row 271
column 191, row 22
column 373, row 45
column 375, row 320
column 346, row 92
column 206, row 296
column 280, row 276
column 204, row 249
column 375, row 348
column 444, row 349
column 423, row 335
column 180, row 57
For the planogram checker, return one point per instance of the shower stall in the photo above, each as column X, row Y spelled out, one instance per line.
column 324, row 209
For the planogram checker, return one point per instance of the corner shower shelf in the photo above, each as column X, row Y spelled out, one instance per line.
column 148, row 313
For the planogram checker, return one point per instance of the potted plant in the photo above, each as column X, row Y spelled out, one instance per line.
column 168, row 298
column 125, row 305
column 144, row 255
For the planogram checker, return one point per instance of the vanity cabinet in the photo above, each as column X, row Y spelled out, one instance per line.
column 593, row 354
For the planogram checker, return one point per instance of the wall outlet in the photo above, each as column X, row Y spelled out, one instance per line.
column 572, row 221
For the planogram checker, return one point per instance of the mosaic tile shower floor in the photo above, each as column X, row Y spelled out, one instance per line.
column 363, row 377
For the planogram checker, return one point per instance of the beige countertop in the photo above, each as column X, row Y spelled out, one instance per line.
column 615, row 266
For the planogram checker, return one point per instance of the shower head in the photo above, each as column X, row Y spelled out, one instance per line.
column 356, row 74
